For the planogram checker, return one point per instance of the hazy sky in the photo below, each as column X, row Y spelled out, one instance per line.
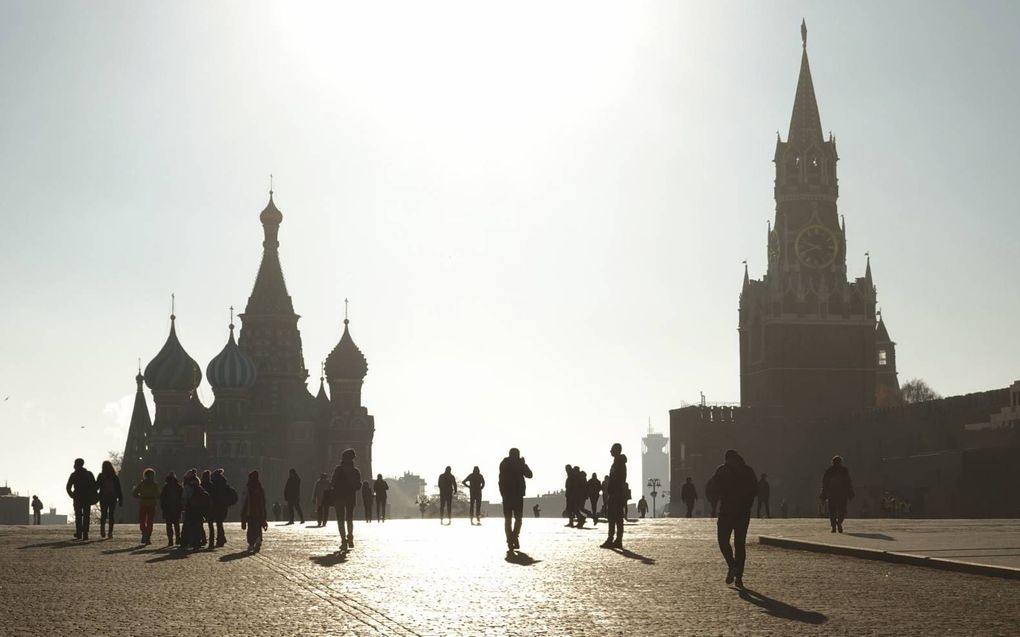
column 538, row 210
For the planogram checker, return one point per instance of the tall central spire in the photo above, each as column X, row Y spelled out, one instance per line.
column 805, row 123
column 269, row 295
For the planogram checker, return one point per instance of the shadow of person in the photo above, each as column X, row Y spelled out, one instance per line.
column 130, row 549
column 635, row 556
column 172, row 555
column 874, row 536
column 332, row 559
column 60, row 544
column 780, row 609
column 520, row 559
column 240, row 555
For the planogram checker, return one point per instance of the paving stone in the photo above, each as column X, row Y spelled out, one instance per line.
column 410, row 577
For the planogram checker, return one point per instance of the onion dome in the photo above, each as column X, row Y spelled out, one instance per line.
column 346, row 362
column 172, row 369
column 231, row 369
column 271, row 215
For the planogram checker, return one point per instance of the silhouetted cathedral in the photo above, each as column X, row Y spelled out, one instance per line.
column 263, row 415
column 808, row 336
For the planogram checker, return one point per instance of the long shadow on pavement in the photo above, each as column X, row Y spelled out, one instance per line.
column 179, row 554
column 61, row 544
column 874, row 536
column 635, row 556
column 332, row 559
column 780, row 609
column 130, row 549
column 520, row 559
column 240, row 555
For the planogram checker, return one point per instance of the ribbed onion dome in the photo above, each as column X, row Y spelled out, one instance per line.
column 231, row 369
column 271, row 214
column 172, row 369
column 346, row 361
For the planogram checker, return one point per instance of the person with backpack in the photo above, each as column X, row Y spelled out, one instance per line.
column 147, row 493
column 222, row 496
column 110, row 496
column 346, row 483
column 475, row 482
column 170, row 503
column 380, row 498
column 616, row 496
column 253, row 512
column 81, row 488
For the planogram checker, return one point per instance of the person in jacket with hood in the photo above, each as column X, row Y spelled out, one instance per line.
column 81, row 488
column 221, row 497
column 320, row 501
column 196, row 503
column 616, row 497
column 381, row 487
column 110, row 497
column 738, row 485
column 838, row 489
column 346, row 484
column 513, row 471
column 253, row 512
column 292, row 496
column 148, row 494
column 170, row 504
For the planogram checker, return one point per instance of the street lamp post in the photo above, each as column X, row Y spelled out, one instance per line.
column 654, row 484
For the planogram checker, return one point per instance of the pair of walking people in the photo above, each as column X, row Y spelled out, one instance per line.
column 86, row 490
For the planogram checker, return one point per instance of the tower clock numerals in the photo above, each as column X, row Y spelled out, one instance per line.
column 775, row 247
column 816, row 246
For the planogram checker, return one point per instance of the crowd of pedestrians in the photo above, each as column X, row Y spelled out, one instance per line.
column 195, row 507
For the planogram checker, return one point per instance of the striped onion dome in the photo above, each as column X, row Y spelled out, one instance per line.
column 346, row 361
column 231, row 369
column 172, row 369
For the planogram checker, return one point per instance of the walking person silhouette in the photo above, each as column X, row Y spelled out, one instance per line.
column 346, row 484
column 475, row 482
column 367, row 498
column 447, row 487
column 512, row 486
column 381, row 487
column 616, row 497
column 738, row 486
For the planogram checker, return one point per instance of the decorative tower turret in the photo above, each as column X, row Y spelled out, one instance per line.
column 350, row 423
column 180, row 420
column 136, row 448
column 232, row 375
column 887, row 385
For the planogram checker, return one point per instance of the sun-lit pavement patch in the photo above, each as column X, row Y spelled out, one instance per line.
column 410, row 577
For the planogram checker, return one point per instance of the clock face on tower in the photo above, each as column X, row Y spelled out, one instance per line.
column 816, row 246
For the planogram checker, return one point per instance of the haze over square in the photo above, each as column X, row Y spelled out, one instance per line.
column 540, row 222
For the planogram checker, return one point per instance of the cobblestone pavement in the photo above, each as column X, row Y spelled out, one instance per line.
column 993, row 542
column 409, row 577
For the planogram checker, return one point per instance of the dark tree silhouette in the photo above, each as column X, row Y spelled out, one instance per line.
column 917, row 390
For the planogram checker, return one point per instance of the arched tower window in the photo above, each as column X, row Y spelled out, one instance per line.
column 793, row 169
column 814, row 171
